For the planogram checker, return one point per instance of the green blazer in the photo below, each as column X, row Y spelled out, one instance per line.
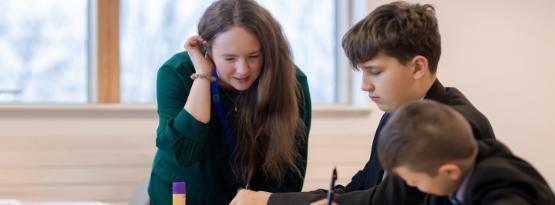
column 195, row 152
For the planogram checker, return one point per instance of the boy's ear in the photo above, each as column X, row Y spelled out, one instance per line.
column 420, row 66
column 452, row 171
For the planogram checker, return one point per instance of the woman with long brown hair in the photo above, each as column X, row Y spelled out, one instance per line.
column 234, row 111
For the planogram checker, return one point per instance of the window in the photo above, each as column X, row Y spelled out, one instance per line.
column 43, row 51
column 153, row 30
column 312, row 42
column 48, row 48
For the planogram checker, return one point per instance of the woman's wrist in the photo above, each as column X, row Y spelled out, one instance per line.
column 202, row 75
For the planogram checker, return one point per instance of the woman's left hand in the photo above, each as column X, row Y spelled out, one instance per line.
column 248, row 197
column 322, row 202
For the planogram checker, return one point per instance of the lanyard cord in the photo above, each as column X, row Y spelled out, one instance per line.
column 229, row 138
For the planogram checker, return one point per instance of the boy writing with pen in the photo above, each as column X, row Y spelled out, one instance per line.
column 397, row 47
column 431, row 147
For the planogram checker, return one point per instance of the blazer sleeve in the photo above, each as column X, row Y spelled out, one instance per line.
column 392, row 190
column 295, row 197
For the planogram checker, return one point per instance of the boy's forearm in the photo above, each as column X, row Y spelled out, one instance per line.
column 295, row 197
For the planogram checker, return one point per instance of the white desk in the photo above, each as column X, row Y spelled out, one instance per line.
column 16, row 202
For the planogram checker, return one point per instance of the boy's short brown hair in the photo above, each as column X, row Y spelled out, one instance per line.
column 398, row 29
column 423, row 135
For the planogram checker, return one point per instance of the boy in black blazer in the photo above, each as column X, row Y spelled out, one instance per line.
column 431, row 147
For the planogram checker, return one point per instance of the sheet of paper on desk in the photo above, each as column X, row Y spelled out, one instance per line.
column 65, row 203
column 16, row 202
column 9, row 202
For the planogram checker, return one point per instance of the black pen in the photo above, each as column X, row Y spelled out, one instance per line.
column 331, row 191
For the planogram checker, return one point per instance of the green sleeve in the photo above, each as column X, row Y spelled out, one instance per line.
column 179, row 135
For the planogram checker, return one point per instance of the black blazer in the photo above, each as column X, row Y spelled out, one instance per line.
column 372, row 173
column 498, row 178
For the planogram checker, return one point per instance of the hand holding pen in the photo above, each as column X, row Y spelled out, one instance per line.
column 332, row 185
column 331, row 192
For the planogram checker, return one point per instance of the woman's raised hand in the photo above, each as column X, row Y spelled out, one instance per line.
column 203, row 63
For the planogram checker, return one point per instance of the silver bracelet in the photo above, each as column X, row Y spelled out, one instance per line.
column 195, row 76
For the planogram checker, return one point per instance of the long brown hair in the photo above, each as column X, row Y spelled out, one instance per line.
column 268, row 125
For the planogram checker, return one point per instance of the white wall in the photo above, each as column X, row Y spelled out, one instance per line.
column 104, row 152
column 501, row 54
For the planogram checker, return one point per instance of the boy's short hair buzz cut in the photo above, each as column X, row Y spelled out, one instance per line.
column 397, row 29
column 423, row 135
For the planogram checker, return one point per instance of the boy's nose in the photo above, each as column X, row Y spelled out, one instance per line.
column 367, row 85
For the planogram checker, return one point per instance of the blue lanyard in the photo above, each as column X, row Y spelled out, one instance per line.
column 229, row 138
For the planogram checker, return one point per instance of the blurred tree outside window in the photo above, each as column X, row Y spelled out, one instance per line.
column 153, row 30
column 43, row 51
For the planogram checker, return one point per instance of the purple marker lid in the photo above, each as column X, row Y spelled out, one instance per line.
column 179, row 188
